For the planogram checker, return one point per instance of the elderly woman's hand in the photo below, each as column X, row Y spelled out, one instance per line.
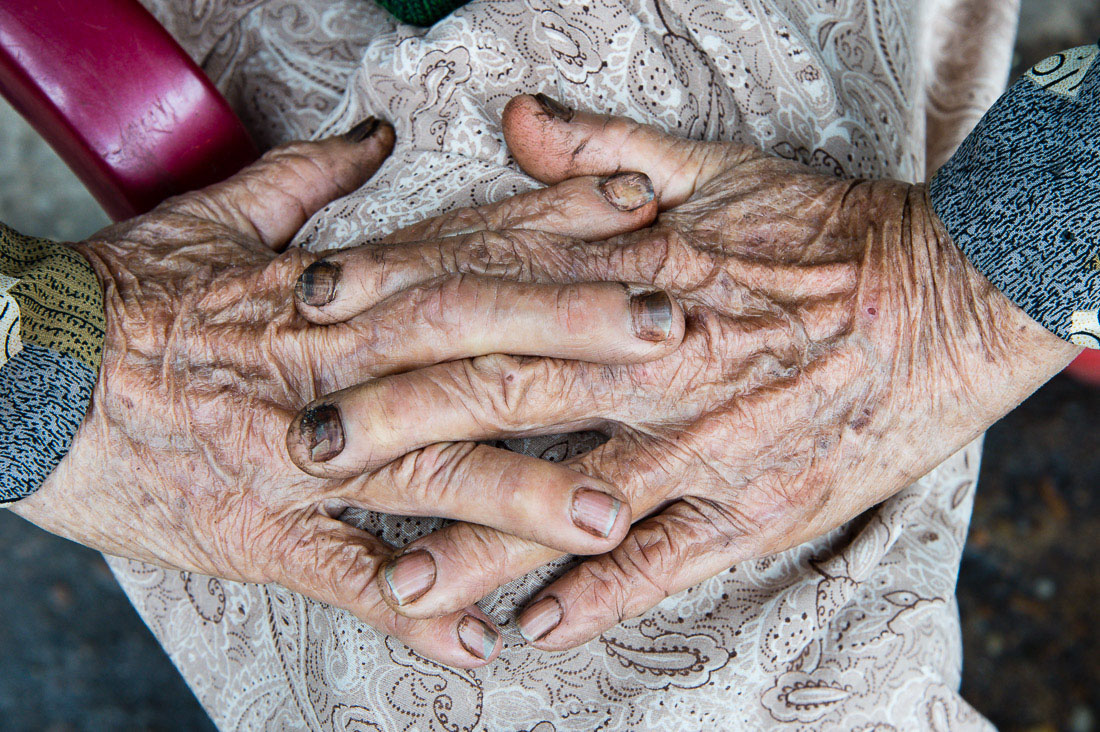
column 182, row 458
column 837, row 347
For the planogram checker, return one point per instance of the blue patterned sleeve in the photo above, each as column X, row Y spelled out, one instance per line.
column 1021, row 197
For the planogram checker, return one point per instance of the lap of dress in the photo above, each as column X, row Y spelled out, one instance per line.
column 855, row 630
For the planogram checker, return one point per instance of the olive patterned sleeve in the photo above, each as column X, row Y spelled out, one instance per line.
column 1021, row 196
column 51, row 325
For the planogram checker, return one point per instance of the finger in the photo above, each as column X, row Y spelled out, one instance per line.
column 469, row 316
column 365, row 427
column 271, row 199
column 349, row 282
column 470, row 560
column 661, row 556
column 518, row 494
column 587, row 208
column 552, row 143
column 336, row 563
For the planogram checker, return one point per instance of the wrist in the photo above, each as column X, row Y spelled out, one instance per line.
column 959, row 354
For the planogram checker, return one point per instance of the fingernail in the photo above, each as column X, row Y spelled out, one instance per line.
column 322, row 430
column 595, row 512
column 317, row 284
column 554, row 108
column 652, row 315
column 539, row 619
column 476, row 637
column 409, row 576
column 627, row 191
column 363, row 130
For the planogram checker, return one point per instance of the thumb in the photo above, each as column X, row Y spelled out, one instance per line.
column 272, row 198
column 552, row 142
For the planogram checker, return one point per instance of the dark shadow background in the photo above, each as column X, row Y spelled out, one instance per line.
column 75, row 655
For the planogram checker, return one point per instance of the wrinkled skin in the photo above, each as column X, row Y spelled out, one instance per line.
column 837, row 347
column 182, row 458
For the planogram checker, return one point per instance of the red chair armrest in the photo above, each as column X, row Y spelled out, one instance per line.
column 1086, row 367
column 118, row 99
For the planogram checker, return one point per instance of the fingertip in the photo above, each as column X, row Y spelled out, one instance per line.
column 539, row 620
column 372, row 138
column 315, row 436
column 352, row 158
column 603, row 517
column 382, row 142
column 627, row 192
column 316, row 288
column 479, row 637
column 632, row 203
column 656, row 319
column 552, row 623
column 528, row 127
column 406, row 578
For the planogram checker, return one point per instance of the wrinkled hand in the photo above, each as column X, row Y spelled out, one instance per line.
column 837, row 347
column 182, row 458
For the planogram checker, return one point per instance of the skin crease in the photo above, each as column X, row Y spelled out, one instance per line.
column 182, row 458
column 838, row 346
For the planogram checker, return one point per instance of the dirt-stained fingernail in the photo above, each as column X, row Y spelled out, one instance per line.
column 554, row 108
column 477, row 637
column 652, row 316
column 627, row 191
column 409, row 576
column 363, row 130
column 595, row 511
column 539, row 619
column 323, row 432
column 317, row 284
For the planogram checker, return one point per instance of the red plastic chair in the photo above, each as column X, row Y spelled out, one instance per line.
column 118, row 99
column 1086, row 368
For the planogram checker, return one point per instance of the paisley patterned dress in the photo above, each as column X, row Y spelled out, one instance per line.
column 857, row 630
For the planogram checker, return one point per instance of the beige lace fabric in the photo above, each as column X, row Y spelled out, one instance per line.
column 857, row 630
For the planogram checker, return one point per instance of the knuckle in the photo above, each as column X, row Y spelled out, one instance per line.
column 328, row 567
column 652, row 257
column 621, row 129
column 572, row 311
column 718, row 526
column 601, row 584
column 647, row 554
column 633, row 577
column 440, row 304
column 491, row 253
column 503, row 386
column 430, row 475
column 480, row 550
column 287, row 151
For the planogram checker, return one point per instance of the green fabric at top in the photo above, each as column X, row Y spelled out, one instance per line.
column 421, row 12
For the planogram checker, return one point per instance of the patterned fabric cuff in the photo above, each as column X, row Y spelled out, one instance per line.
column 1021, row 197
column 52, row 322
column 421, row 12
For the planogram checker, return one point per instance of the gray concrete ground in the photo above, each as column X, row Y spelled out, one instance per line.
column 75, row 656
